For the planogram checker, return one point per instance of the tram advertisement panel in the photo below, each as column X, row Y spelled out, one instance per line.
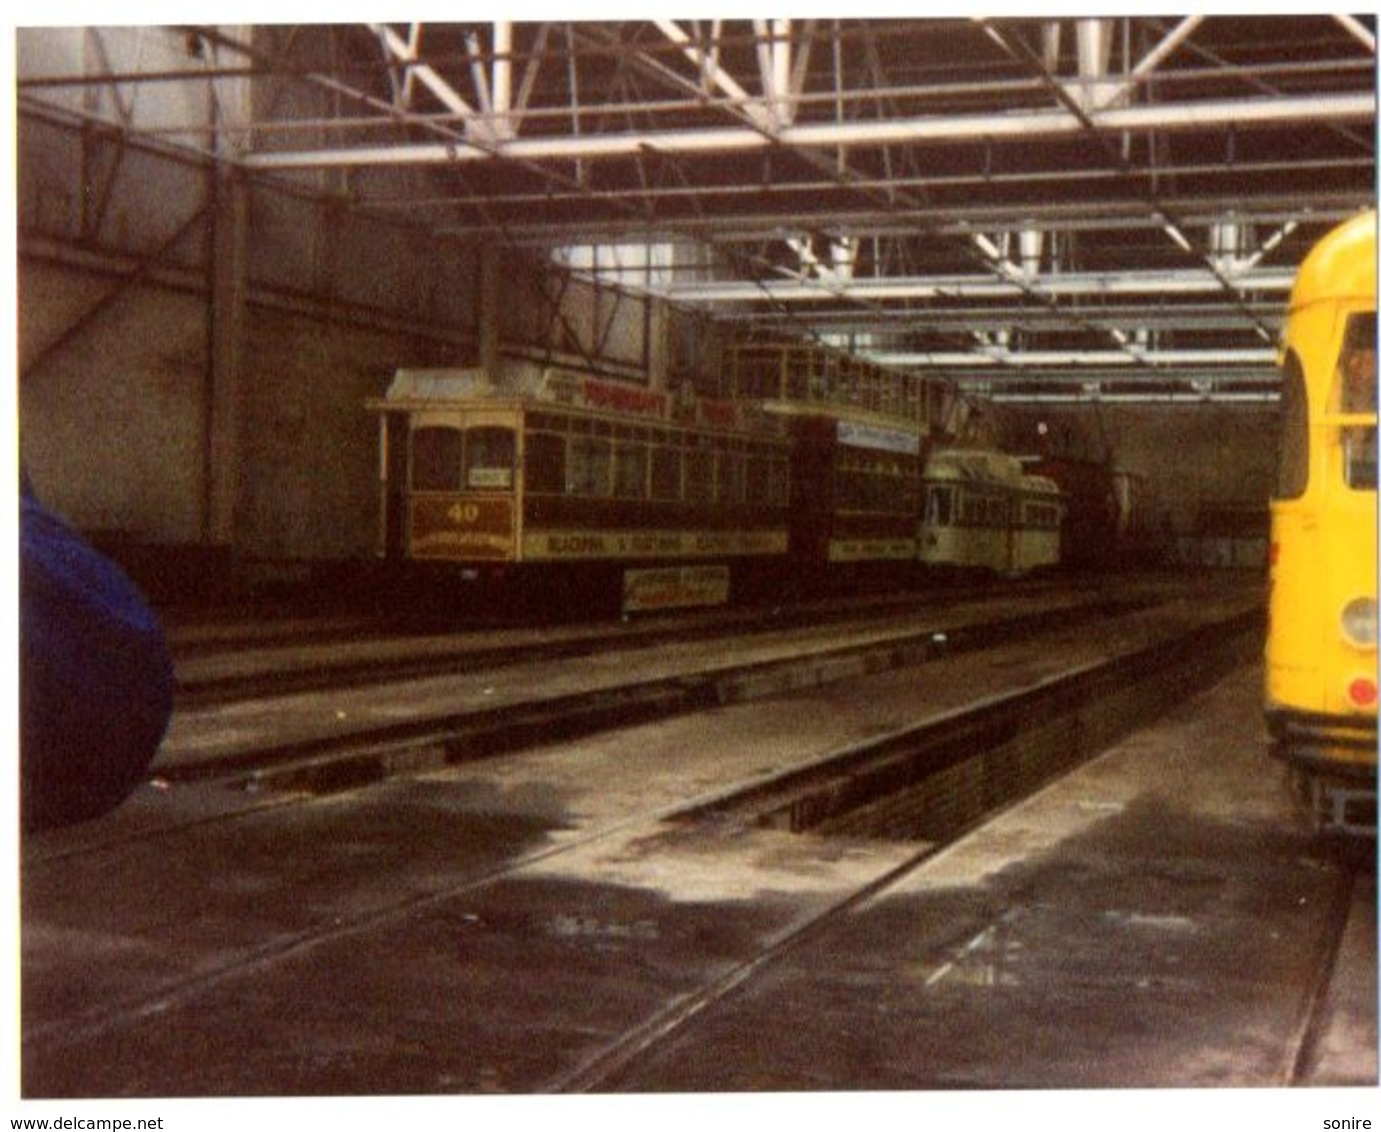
column 674, row 587
column 595, row 543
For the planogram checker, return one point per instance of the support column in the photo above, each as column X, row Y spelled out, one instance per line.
column 225, row 396
column 491, row 311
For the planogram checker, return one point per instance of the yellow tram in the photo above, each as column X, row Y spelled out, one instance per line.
column 1321, row 674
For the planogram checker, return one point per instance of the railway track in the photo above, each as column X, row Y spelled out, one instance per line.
column 220, row 662
column 847, row 788
column 483, row 714
column 927, row 785
column 1351, row 910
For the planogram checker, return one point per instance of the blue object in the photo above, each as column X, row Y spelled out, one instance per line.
column 95, row 675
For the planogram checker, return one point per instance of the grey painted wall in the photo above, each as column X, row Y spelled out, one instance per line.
column 116, row 309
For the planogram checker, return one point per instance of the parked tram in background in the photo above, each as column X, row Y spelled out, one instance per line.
column 854, row 500
column 556, row 490
column 590, row 490
column 858, row 434
column 1321, row 675
column 983, row 512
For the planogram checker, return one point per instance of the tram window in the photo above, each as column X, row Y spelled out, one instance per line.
column 894, row 490
column 489, row 458
column 1359, row 456
column 849, row 486
column 436, row 458
column 878, row 483
column 779, row 481
column 1355, row 392
column 730, row 486
column 766, row 478
column 666, row 473
column 860, row 485
column 699, row 471
column 867, row 488
column 545, row 464
column 630, row 471
column 756, row 473
column 905, row 496
column 939, row 506
column 587, row 469
column 1292, row 453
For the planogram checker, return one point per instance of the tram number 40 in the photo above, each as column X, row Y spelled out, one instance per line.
column 464, row 514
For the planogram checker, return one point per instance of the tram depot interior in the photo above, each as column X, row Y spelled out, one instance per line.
column 1080, row 234
column 229, row 240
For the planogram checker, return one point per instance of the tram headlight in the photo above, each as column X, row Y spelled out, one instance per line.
column 1359, row 622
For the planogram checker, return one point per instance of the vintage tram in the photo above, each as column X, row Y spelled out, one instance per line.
column 1321, row 677
column 801, row 471
column 859, row 433
column 583, row 487
column 984, row 512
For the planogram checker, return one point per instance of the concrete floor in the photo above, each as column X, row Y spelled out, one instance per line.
column 1154, row 920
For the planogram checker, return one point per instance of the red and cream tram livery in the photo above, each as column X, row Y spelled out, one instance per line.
column 808, row 471
column 858, row 436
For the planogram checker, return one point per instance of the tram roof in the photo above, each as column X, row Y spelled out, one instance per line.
column 1341, row 266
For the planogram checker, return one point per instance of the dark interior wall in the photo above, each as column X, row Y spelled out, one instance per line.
column 309, row 443
column 1197, row 458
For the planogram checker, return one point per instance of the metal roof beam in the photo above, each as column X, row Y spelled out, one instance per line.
column 1153, row 59
column 1066, row 359
column 1217, row 114
column 900, row 321
column 975, row 286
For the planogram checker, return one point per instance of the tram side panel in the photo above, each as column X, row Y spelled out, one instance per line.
column 500, row 498
column 1321, row 687
column 983, row 514
column 854, row 500
column 516, row 502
